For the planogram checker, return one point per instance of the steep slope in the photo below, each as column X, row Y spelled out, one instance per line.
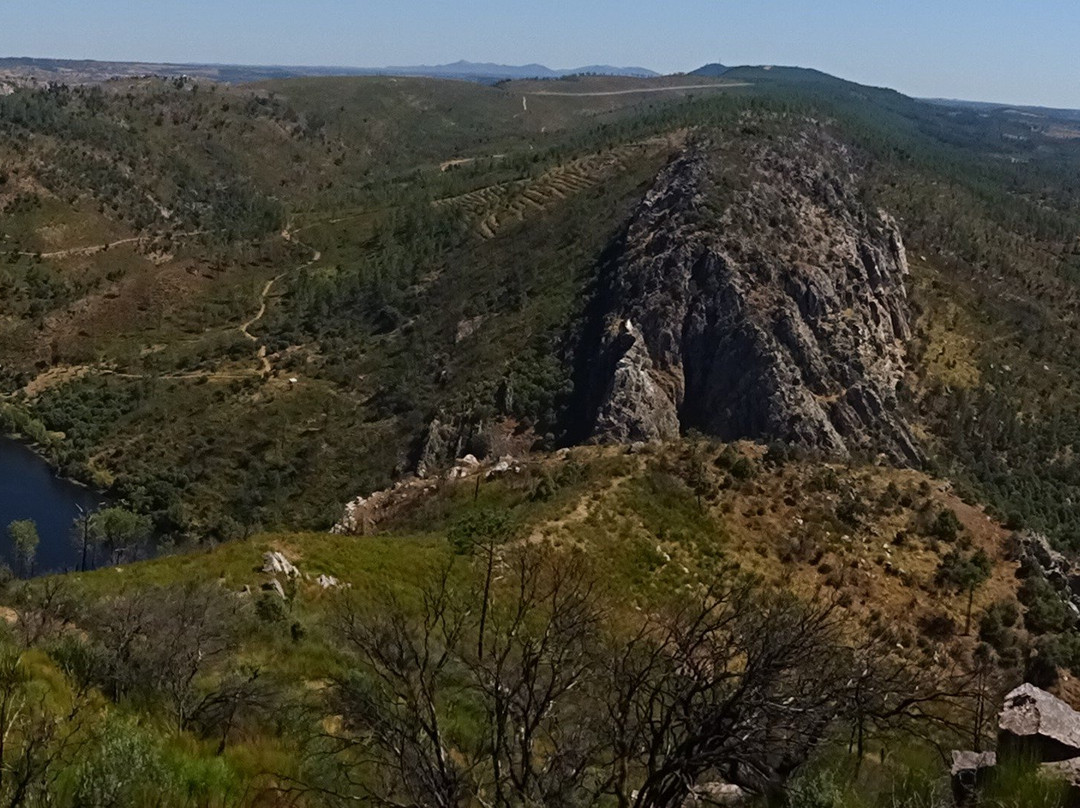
column 754, row 296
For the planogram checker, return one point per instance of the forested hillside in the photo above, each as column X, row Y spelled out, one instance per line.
column 411, row 250
column 831, row 331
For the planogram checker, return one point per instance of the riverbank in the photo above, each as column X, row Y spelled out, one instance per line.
column 31, row 489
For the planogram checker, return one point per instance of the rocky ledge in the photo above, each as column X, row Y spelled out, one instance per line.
column 760, row 301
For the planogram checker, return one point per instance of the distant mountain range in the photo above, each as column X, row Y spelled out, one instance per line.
column 486, row 71
column 31, row 70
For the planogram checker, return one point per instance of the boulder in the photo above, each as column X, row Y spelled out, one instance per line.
column 715, row 795
column 328, row 582
column 505, row 465
column 275, row 563
column 970, row 771
column 1035, row 725
column 274, row 586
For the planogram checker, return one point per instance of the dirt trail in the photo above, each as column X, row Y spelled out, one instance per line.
column 96, row 248
column 61, row 374
column 644, row 90
column 245, row 327
column 464, row 161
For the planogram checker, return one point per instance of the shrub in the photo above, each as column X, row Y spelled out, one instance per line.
column 938, row 627
column 945, row 526
column 742, row 469
column 270, row 608
column 1046, row 612
column 996, row 625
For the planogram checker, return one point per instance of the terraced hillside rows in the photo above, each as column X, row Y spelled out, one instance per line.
column 491, row 208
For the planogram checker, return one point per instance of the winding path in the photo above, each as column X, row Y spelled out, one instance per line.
column 245, row 327
column 44, row 380
column 96, row 248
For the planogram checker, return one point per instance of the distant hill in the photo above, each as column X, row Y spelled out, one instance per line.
column 1015, row 109
column 713, row 69
column 41, row 71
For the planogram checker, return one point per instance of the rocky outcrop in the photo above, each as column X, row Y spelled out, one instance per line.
column 444, row 442
column 1035, row 729
column 276, row 563
column 635, row 406
column 759, row 301
column 1037, row 557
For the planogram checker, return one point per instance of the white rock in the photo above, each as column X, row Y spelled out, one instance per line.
column 711, row 795
column 275, row 562
column 275, row 586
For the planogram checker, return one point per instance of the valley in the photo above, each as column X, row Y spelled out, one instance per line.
column 455, row 418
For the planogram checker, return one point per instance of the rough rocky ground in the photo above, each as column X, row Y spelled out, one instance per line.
column 770, row 308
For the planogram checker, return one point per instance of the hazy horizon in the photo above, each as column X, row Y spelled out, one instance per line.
column 1004, row 51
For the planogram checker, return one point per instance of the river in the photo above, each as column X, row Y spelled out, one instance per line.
column 30, row 490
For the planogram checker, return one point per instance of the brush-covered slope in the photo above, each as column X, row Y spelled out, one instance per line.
column 245, row 703
column 412, row 252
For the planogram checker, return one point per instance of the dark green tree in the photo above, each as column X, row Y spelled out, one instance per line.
column 964, row 573
column 117, row 529
column 24, row 538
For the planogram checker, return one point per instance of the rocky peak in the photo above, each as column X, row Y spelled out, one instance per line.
column 753, row 296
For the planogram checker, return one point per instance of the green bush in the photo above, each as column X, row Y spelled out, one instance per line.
column 997, row 623
column 270, row 608
column 945, row 526
column 1046, row 611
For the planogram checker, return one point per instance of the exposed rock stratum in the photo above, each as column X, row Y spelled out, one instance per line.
column 753, row 295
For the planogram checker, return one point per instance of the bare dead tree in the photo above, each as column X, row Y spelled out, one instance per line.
column 520, row 685
column 193, row 627
column 36, row 742
column 727, row 682
column 512, row 646
column 242, row 693
column 392, row 709
column 43, row 609
column 889, row 693
column 539, row 647
column 160, row 641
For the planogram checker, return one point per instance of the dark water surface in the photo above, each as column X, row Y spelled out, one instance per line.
column 30, row 490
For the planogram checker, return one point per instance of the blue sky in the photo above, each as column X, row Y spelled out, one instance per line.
column 996, row 50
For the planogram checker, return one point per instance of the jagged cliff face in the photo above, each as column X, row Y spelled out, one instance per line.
column 761, row 300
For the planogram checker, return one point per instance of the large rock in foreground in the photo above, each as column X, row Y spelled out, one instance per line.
column 1034, row 725
column 763, row 301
